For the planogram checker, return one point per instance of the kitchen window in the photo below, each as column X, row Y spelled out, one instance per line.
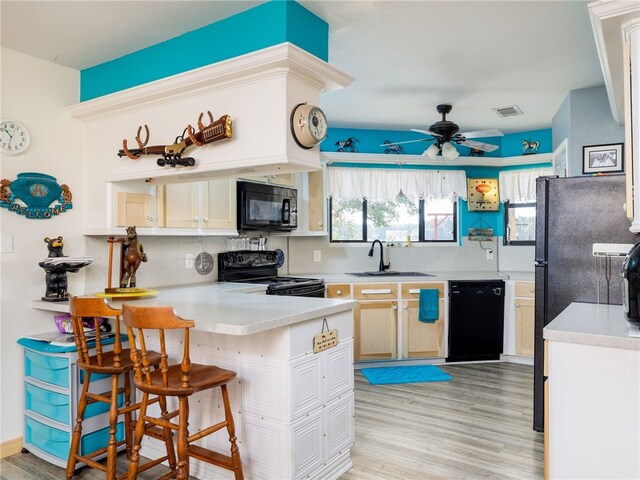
column 392, row 221
column 519, row 223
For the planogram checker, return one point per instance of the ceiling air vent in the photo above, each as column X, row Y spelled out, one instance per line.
column 509, row 111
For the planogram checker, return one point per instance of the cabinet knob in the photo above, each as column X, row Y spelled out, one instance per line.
column 339, row 292
column 150, row 218
column 517, row 305
column 532, row 290
column 196, row 219
column 395, row 307
column 205, row 219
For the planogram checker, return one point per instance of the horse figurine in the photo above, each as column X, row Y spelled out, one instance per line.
column 529, row 147
column 392, row 147
column 475, row 152
column 347, row 145
column 132, row 257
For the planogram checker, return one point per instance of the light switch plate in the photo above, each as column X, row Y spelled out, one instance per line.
column 6, row 243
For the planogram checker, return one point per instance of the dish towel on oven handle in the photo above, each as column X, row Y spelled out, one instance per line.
column 428, row 305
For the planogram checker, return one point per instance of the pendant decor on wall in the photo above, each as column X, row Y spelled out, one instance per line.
column 172, row 154
column 32, row 194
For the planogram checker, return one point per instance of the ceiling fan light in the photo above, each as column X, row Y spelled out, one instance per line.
column 432, row 151
column 449, row 152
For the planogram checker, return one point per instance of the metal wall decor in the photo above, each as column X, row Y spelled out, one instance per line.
column 172, row 154
column 31, row 194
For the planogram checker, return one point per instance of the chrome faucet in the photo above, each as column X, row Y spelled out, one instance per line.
column 382, row 266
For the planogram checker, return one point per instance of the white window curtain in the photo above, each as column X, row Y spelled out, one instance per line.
column 385, row 184
column 519, row 186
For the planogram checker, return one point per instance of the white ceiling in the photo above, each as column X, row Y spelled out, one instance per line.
column 406, row 56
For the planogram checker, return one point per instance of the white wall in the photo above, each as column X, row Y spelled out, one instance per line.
column 34, row 92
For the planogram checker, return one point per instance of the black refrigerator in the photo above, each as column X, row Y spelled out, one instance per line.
column 571, row 215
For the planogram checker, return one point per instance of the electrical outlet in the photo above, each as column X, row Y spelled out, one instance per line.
column 317, row 256
column 490, row 254
column 188, row 260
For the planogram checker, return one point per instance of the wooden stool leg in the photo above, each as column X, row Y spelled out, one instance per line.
column 235, row 453
column 77, row 431
column 112, row 446
column 129, row 424
column 167, row 434
column 183, row 433
column 132, row 473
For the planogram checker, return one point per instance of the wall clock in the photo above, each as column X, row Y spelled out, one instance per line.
column 482, row 195
column 308, row 125
column 14, row 137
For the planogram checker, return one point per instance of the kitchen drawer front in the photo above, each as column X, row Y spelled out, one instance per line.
column 375, row 291
column 525, row 289
column 57, row 442
column 412, row 290
column 47, row 368
column 339, row 290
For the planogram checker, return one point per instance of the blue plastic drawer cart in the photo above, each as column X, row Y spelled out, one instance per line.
column 52, row 383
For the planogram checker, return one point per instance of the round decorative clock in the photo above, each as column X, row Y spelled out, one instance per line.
column 14, row 137
column 308, row 125
column 204, row 263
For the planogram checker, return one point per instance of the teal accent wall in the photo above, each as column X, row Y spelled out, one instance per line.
column 264, row 26
column 370, row 141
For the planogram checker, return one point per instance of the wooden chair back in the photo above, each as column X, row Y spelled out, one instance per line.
column 94, row 309
column 139, row 319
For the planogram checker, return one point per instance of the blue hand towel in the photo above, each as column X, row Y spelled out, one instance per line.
column 428, row 308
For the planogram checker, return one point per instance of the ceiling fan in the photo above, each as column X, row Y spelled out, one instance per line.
column 445, row 134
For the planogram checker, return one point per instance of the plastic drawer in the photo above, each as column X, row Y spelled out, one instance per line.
column 57, row 442
column 55, row 406
column 50, row 369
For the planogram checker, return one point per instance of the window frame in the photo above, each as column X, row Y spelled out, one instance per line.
column 505, row 237
column 421, row 225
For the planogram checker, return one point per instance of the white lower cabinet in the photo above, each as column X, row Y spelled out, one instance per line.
column 293, row 409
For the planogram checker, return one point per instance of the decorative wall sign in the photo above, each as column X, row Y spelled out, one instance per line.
column 480, row 234
column 31, row 194
column 482, row 195
column 325, row 340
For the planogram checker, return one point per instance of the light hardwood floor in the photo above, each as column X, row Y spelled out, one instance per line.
column 477, row 426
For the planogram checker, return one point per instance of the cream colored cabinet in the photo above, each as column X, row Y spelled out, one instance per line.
column 135, row 209
column 206, row 205
column 524, row 307
column 316, row 206
column 386, row 320
column 376, row 321
column 422, row 339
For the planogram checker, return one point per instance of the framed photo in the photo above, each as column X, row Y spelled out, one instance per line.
column 602, row 158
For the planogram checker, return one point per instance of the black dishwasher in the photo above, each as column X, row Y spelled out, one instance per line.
column 476, row 320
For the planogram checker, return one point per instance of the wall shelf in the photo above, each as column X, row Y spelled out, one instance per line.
column 382, row 158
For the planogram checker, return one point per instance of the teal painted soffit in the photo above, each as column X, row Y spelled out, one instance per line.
column 266, row 25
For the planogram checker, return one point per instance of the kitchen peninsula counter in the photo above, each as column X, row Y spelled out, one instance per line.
column 592, row 366
column 293, row 408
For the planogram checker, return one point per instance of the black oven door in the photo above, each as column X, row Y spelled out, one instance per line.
column 266, row 207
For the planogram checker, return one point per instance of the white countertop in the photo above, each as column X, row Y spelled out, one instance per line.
column 231, row 309
column 592, row 324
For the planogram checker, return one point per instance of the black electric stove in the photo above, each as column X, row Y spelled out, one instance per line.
column 248, row 266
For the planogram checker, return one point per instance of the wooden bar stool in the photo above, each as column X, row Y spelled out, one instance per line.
column 115, row 363
column 179, row 380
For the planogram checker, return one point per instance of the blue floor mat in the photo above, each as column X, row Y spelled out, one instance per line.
column 411, row 374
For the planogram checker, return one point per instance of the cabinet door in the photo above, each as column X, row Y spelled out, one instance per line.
column 219, row 204
column 524, row 326
column 181, row 202
column 316, row 202
column 376, row 326
column 423, row 339
column 134, row 209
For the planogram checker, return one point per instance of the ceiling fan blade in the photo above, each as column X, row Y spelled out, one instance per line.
column 408, row 141
column 482, row 133
column 485, row 147
column 426, row 132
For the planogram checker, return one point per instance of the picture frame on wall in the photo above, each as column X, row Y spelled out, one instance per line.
column 603, row 158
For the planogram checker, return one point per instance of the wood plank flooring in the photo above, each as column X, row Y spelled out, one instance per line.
column 477, row 426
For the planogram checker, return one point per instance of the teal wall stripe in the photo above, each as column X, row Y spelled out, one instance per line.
column 264, row 26
column 370, row 141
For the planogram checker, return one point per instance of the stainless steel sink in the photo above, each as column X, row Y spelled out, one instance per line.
column 388, row 273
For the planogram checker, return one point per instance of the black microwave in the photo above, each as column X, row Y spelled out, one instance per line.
column 267, row 207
